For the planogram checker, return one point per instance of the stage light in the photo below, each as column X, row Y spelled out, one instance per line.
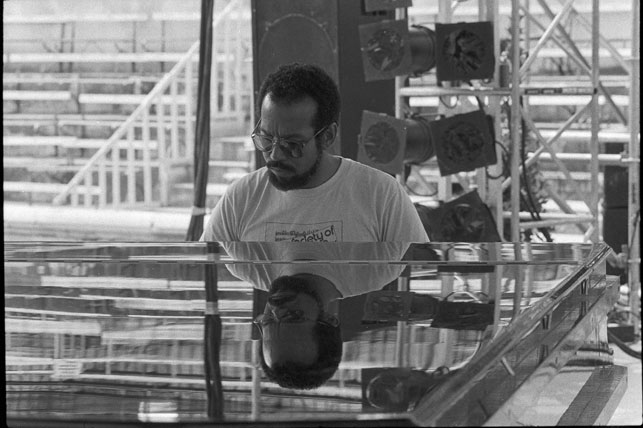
column 385, row 49
column 390, row 48
column 464, row 219
column 465, row 51
column 463, row 142
column 387, row 143
column 422, row 41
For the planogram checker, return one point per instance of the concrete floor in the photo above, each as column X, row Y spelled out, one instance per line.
column 630, row 410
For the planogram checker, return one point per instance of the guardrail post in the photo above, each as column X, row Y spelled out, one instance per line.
column 131, row 172
column 147, row 162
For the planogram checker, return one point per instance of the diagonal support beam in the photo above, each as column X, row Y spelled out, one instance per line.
column 564, row 206
column 554, row 157
column 577, row 56
column 533, row 55
column 602, row 40
column 573, row 119
column 584, row 67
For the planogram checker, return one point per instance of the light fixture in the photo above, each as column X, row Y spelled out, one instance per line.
column 390, row 48
column 463, row 142
column 463, row 219
column 465, row 51
column 387, row 143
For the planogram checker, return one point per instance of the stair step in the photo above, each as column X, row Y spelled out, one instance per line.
column 213, row 189
column 13, row 95
column 124, row 99
column 68, row 78
column 585, row 135
column 59, row 164
column 41, row 164
column 229, row 164
column 95, row 57
column 69, row 142
column 603, row 159
column 536, row 100
column 33, row 187
column 24, row 140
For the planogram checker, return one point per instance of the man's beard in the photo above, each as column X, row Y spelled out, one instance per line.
column 296, row 181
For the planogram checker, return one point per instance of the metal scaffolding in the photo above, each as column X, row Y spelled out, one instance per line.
column 525, row 21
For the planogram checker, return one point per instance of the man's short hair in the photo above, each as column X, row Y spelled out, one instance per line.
column 329, row 345
column 300, row 376
column 293, row 82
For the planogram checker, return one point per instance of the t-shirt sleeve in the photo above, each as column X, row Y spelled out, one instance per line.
column 402, row 222
column 220, row 225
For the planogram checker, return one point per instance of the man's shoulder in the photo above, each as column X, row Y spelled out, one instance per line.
column 355, row 168
column 253, row 180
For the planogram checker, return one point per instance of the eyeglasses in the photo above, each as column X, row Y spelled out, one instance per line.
column 293, row 317
column 293, row 148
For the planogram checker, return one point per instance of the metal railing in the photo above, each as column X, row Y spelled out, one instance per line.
column 133, row 166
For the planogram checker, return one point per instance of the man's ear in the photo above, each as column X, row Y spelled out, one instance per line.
column 330, row 135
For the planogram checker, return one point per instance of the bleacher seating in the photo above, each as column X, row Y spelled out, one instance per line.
column 70, row 80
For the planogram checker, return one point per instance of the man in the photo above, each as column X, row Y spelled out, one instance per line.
column 304, row 193
column 300, row 332
column 300, row 329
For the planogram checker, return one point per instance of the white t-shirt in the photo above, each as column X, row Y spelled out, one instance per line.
column 354, row 268
column 357, row 204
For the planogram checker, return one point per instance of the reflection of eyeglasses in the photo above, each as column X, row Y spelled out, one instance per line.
column 293, row 317
column 293, row 148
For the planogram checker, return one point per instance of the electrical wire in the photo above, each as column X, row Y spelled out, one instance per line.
column 529, row 204
column 505, row 168
column 635, row 225
column 623, row 346
column 428, row 195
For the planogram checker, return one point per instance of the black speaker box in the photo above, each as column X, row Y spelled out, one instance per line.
column 325, row 33
column 615, row 235
column 615, row 187
column 615, row 180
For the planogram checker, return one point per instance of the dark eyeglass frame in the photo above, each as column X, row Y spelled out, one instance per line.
column 293, row 317
column 293, row 148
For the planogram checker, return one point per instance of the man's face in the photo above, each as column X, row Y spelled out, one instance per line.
column 291, row 342
column 293, row 121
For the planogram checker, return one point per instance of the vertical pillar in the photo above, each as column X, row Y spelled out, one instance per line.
column 595, row 123
column 634, row 171
column 515, row 120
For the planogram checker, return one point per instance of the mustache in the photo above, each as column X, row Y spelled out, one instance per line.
column 280, row 165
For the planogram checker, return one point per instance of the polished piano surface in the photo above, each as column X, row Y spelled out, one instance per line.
column 432, row 334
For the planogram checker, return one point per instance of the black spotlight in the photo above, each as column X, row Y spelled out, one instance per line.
column 465, row 51
column 387, row 143
column 391, row 48
column 463, row 142
column 423, row 52
column 464, row 219
column 385, row 49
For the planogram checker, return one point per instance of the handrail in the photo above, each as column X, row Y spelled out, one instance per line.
column 158, row 89
column 161, row 86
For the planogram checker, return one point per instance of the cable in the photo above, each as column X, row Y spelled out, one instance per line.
column 505, row 169
column 419, row 194
column 526, row 185
column 624, row 347
column 635, row 225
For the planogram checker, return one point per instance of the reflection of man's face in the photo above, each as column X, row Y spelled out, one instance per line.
column 287, row 341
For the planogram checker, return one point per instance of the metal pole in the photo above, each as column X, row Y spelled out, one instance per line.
column 515, row 120
column 494, row 196
column 256, row 382
column 445, row 15
column 400, row 13
column 593, row 200
column 634, row 172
